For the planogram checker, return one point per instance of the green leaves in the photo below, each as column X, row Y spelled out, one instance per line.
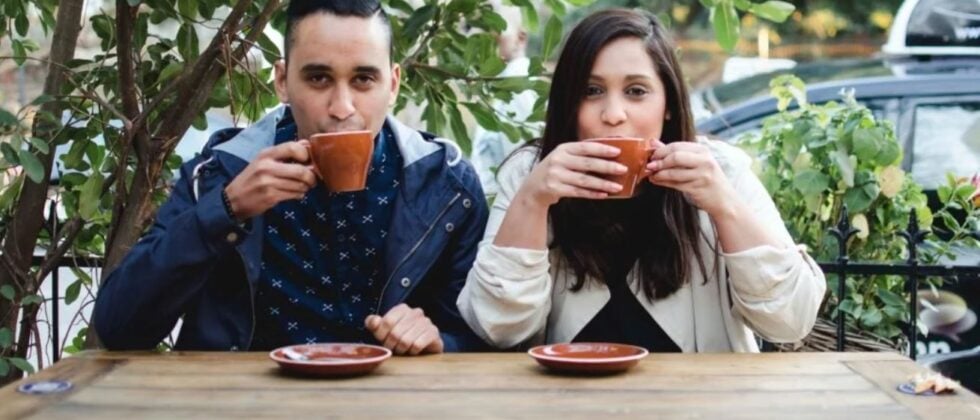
column 724, row 19
column 90, row 196
column 552, row 36
column 776, row 11
column 811, row 182
column 865, row 191
column 32, row 166
column 7, row 292
column 787, row 88
column 187, row 8
column 818, row 158
column 187, row 42
column 483, row 116
column 31, row 300
column 6, row 337
column 420, row 17
column 21, row 364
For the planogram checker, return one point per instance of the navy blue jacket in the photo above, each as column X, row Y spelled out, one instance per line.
column 198, row 265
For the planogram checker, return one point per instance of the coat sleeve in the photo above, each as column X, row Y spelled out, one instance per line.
column 140, row 301
column 777, row 291
column 507, row 296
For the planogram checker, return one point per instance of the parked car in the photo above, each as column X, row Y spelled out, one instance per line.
column 933, row 102
column 927, row 83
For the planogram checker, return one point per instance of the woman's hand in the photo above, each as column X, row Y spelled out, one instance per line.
column 690, row 168
column 573, row 170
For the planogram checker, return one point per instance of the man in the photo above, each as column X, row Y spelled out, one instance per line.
column 491, row 148
column 253, row 253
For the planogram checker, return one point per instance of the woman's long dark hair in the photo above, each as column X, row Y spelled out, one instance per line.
column 605, row 238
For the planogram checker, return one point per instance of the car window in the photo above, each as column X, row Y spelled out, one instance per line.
column 946, row 138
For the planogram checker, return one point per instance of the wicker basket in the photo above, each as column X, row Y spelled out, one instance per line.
column 823, row 338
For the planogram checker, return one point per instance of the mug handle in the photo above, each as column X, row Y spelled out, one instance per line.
column 309, row 151
column 649, row 153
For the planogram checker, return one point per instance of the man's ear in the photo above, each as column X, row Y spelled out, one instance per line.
column 396, row 81
column 280, row 81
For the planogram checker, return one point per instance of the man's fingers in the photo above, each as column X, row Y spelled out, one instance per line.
column 293, row 151
column 388, row 321
column 436, row 345
column 372, row 322
column 405, row 342
column 404, row 324
column 291, row 171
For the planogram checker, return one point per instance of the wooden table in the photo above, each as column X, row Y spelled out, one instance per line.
column 248, row 385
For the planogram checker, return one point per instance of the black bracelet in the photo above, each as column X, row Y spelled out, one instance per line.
column 227, row 202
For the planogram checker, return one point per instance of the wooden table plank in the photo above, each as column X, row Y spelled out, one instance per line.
column 775, row 385
column 888, row 374
column 80, row 372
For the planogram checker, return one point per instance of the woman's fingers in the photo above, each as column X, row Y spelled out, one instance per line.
column 580, row 180
column 590, row 149
column 593, row 165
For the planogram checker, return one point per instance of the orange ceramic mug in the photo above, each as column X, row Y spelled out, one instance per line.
column 342, row 160
column 634, row 153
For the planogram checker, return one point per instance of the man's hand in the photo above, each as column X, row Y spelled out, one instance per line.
column 405, row 330
column 277, row 174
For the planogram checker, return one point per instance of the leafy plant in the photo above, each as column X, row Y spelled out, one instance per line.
column 815, row 159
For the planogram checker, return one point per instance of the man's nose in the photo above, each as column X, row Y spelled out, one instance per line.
column 341, row 104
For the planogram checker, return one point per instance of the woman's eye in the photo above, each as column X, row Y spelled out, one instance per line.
column 593, row 91
column 636, row 91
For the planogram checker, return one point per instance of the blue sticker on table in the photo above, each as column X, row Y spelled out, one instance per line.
column 909, row 388
column 44, row 387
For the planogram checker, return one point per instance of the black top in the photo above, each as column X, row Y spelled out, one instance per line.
column 624, row 320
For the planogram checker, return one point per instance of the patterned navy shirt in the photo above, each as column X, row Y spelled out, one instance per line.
column 322, row 257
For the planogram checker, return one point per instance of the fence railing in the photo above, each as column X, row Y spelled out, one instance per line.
column 842, row 267
column 911, row 269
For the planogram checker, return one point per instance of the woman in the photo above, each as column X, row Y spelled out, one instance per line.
column 697, row 260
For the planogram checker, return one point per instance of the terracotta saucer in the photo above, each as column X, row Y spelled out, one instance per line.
column 588, row 357
column 330, row 359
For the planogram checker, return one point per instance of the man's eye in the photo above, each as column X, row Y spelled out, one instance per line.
column 364, row 80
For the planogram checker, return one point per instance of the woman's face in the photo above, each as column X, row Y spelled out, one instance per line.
column 624, row 97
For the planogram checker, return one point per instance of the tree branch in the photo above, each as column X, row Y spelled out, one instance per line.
column 132, row 136
column 125, row 14
column 127, row 123
column 66, row 237
column 433, row 30
column 22, row 234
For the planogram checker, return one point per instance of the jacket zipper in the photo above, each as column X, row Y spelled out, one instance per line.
column 412, row 251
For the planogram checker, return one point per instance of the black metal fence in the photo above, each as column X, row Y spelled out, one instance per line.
column 910, row 269
column 842, row 267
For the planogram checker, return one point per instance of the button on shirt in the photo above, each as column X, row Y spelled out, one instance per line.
column 322, row 260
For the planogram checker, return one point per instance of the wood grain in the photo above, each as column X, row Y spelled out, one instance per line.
column 222, row 385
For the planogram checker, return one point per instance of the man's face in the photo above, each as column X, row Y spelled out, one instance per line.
column 339, row 76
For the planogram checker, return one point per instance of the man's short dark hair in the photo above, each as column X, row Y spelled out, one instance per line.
column 300, row 9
